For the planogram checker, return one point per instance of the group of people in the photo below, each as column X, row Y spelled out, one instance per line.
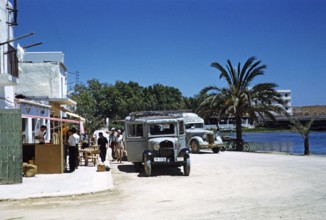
column 116, row 143
column 72, row 144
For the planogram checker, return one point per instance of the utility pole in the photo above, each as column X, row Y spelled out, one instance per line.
column 76, row 78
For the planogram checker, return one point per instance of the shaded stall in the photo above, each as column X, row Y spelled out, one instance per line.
column 51, row 156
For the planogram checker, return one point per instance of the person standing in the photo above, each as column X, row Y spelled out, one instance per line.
column 40, row 137
column 73, row 141
column 112, row 142
column 85, row 140
column 102, row 142
column 84, row 137
column 120, row 146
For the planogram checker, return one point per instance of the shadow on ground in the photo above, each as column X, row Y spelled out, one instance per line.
column 156, row 170
column 206, row 151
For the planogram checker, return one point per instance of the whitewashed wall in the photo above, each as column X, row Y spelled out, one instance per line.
column 47, row 71
column 7, row 90
column 40, row 79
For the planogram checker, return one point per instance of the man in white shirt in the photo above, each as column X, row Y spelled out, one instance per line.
column 40, row 137
column 73, row 149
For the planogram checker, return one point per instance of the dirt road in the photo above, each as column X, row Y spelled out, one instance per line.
column 228, row 185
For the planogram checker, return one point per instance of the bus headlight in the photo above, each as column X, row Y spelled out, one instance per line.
column 156, row 146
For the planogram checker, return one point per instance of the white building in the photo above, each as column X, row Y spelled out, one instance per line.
column 8, row 58
column 42, row 92
column 47, row 71
column 286, row 95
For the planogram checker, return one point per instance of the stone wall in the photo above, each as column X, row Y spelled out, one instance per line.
column 316, row 110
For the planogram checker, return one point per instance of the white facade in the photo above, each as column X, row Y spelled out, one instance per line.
column 286, row 95
column 43, row 87
column 47, row 71
column 43, row 57
column 7, row 79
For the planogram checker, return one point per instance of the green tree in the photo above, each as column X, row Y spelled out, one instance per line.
column 239, row 99
column 97, row 101
column 88, row 98
column 132, row 95
column 160, row 97
column 304, row 130
column 193, row 103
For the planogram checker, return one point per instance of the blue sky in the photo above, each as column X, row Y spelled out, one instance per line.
column 173, row 42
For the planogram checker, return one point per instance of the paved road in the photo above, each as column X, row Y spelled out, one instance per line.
column 228, row 185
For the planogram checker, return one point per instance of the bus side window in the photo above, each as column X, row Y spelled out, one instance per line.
column 135, row 130
column 139, row 130
column 181, row 127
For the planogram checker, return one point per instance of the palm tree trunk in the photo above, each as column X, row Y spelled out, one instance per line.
column 239, row 133
column 306, row 146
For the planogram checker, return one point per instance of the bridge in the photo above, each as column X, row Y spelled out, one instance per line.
column 285, row 122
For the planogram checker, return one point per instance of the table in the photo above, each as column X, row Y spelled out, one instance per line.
column 89, row 153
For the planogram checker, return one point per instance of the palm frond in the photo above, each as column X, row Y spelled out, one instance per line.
column 253, row 73
column 223, row 72
column 244, row 71
column 300, row 127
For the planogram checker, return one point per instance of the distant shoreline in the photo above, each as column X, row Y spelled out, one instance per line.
column 248, row 130
column 272, row 140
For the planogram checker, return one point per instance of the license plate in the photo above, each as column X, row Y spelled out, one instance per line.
column 159, row 159
column 179, row 158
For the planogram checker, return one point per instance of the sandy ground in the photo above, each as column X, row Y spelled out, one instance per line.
column 228, row 185
column 234, row 185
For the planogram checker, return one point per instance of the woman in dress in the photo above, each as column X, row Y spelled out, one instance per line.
column 120, row 146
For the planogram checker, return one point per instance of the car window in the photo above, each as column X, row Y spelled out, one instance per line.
column 194, row 125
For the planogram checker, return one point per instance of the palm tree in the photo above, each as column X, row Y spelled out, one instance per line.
column 304, row 131
column 239, row 99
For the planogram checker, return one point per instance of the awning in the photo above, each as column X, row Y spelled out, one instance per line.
column 52, row 119
column 62, row 101
column 32, row 103
column 76, row 116
column 68, row 112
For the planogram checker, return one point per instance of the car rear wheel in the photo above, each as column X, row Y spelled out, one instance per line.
column 186, row 166
column 147, row 167
column 194, row 146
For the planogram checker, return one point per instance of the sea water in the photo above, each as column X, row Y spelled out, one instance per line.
column 288, row 142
